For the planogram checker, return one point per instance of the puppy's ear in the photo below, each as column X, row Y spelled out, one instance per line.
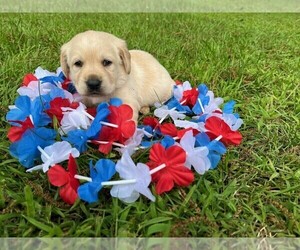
column 125, row 57
column 63, row 60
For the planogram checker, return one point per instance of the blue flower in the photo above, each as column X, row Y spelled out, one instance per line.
column 25, row 149
column 24, row 107
column 52, row 79
column 216, row 148
column 103, row 171
column 79, row 137
column 202, row 96
column 115, row 102
column 228, row 108
column 167, row 141
column 174, row 103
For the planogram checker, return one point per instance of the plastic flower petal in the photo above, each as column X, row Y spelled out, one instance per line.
column 217, row 127
column 196, row 156
column 59, row 177
column 74, row 119
column 29, row 78
column 171, row 130
column 163, row 112
column 35, row 89
column 78, row 138
column 26, row 149
column 129, row 171
column 174, row 171
column 121, row 117
column 24, row 108
column 56, row 106
column 232, row 119
column 96, row 126
column 131, row 145
column 216, row 148
column 202, row 100
column 189, row 97
column 54, row 154
column 103, row 171
column 190, row 125
column 15, row 133
column 180, row 88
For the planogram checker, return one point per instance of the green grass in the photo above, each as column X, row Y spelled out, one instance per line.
column 251, row 58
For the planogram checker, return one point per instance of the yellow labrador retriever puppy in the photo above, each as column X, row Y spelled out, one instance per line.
column 101, row 67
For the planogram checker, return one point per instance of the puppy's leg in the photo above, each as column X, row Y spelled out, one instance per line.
column 145, row 110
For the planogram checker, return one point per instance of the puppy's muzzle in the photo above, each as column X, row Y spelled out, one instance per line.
column 93, row 85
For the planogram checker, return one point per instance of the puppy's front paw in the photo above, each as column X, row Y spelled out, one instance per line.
column 145, row 110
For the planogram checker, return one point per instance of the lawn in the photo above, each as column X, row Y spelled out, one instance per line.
column 251, row 58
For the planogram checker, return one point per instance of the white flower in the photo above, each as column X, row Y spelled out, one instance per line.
column 163, row 112
column 74, row 119
column 233, row 122
column 131, row 145
column 35, row 89
column 200, row 126
column 54, row 154
column 129, row 171
column 179, row 89
column 40, row 73
column 196, row 156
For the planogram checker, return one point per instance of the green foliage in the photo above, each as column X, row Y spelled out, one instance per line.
column 251, row 58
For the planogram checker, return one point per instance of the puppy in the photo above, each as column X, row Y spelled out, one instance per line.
column 101, row 67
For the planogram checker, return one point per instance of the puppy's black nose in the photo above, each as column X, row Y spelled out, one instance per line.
column 93, row 84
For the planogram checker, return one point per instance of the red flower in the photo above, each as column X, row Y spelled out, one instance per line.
column 56, row 105
column 15, row 133
column 175, row 172
column 122, row 117
column 59, row 177
column 171, row 130
column 92, row 111
column 66, row 83
column 216, row 127
column 178, row 82
column 189, row 97
column 151, row 121
column 28, row 78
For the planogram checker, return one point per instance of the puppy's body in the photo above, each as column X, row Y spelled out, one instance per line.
column 101, row 67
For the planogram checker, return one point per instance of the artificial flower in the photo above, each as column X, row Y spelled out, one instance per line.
column 171, row 130
column 74, row 119
column 25, row 108
column 15, row 133
column 174, row 171
column 217, row 127
column 56, row 106
column 163, row 112
column 216, row 148
column 133, row 143
column 103, row 171
column 26, row 148
column 195, row 156
column 65, row 180
column 124, row 127
column 28, row 78
column 35, row 89
column 129, row 171
column 179, row 89
column 54, row 154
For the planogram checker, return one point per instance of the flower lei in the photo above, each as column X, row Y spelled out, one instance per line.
column 49, row 125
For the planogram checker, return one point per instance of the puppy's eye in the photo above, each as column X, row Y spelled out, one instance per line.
column 106, row 63
column 78, row 63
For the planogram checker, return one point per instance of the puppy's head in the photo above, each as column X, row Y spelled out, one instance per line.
column 97, row 62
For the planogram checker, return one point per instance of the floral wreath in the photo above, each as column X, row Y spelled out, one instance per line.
column 49, row 125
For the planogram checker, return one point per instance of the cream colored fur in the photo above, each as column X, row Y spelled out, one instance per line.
column 134, row 76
